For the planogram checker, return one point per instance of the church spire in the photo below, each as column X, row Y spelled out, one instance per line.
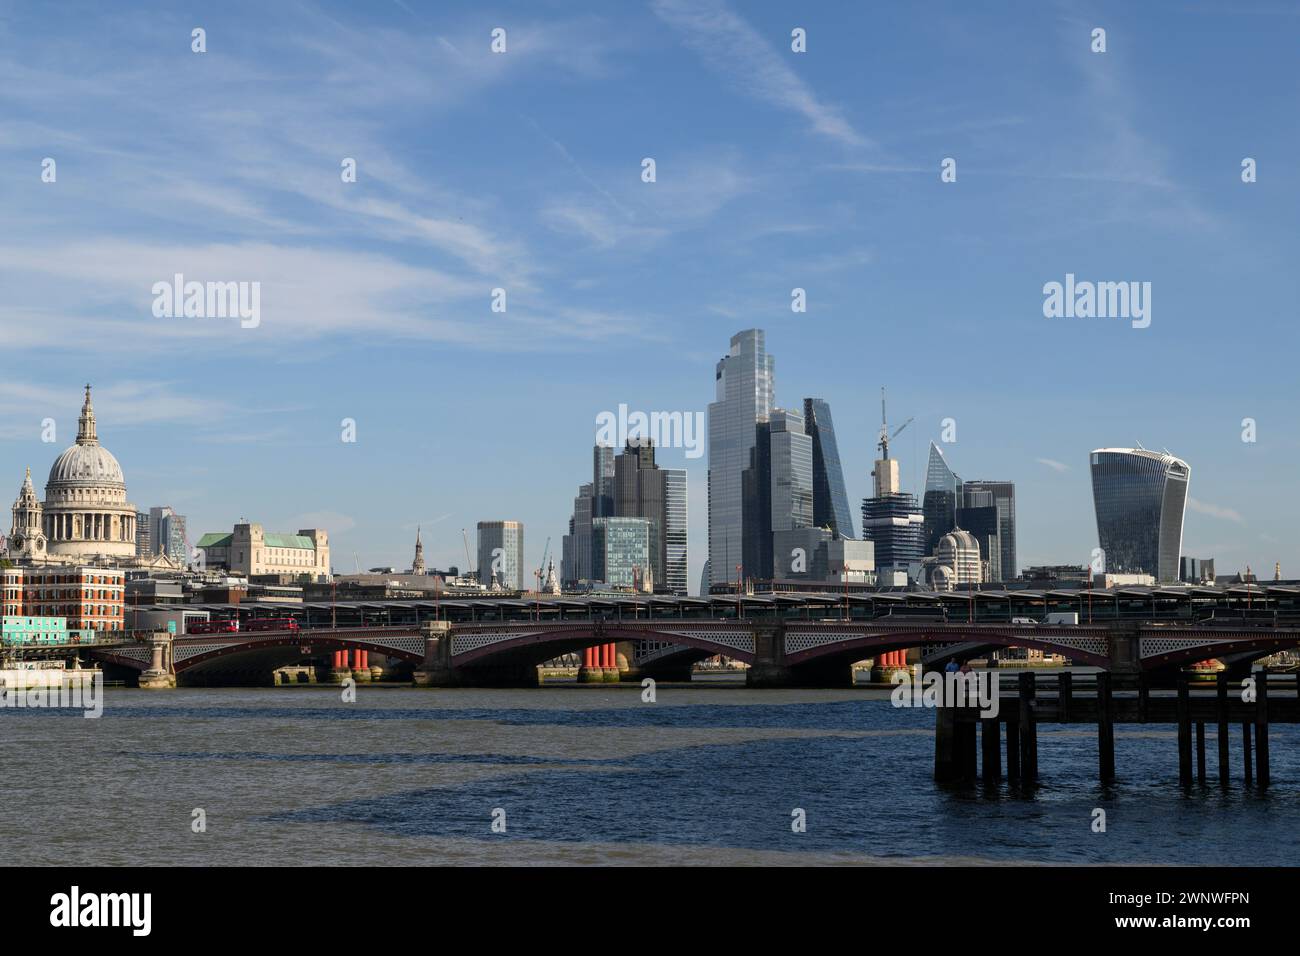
column 86, row 423
column 417, row 566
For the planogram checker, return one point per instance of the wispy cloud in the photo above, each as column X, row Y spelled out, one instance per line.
column 1213, row 510
column 1053, row 464
column 730, row 45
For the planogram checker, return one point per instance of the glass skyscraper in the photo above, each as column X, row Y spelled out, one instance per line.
column 501, row 550
column 777, row 490
column 674, row 544
column 744, row 382
column 1140, row 497
column 620, row 551
column 942, row 499
column 1004, row 500
column 830, row 496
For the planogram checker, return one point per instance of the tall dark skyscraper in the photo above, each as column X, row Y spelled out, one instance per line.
column 1140, row 497
column 1004, row 499
column 830, row 497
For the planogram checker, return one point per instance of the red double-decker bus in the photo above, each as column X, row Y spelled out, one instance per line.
column 221, row 626
column 271, row 624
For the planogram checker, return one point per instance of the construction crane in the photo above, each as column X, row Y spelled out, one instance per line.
column 542, row 570
column 885, row 437
column 468, row 568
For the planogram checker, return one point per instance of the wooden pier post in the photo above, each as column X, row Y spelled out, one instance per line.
column 1105, row 730
column 967, row 727
column 1261, row 730
column 1221, row 713
column 1013, row 748
column 992, row 740
column 1200, row 751
column 1144, row 696
column 1028, row 729
column 1246, row 750
column 1184, row 733
column 1064, row 696
column 946, row 761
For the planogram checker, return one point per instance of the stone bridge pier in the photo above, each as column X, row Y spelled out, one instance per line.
column 437, row 670
column 160, row 673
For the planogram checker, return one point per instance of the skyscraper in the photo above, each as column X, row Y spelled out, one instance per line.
column 641, row 491
column 675, row 526
column 777, row 489
column 891, row 519
column 942, row 499
column 744, row 382
column 1140, row 497
column 830, row 497
column 167, row 534
column 1004, row 499
column 633, row 486
column 501, row 554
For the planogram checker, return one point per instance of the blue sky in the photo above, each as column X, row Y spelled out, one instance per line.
column 522, row 170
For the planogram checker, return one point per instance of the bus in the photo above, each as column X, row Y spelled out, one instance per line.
column 271, row 624
column 219, row 626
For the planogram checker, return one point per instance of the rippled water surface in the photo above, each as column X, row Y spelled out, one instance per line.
column 592, row 774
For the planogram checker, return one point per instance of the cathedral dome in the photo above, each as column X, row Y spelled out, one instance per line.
column 87, row 463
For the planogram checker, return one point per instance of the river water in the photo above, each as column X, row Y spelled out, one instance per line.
column 592, row 774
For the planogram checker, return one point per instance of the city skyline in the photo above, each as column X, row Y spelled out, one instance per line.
column 376, row 302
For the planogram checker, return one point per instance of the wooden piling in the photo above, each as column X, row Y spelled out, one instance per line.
column 1261, row 730
column 1064, row 696
column 1221, row 713
column 992, row 749
column 1184, row 733
column 1200, row 751
column 1105, row 730
column 945, row 745
column 1013, row 747
column 1144, row 696
column 1246, row 750
column 1028, row 729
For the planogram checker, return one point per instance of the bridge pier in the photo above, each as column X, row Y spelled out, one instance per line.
column 159, row 675
column 435, row 670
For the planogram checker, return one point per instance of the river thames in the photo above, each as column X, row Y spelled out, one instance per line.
column 707, row 774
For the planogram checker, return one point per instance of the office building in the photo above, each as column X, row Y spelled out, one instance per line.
column 777, row 490
column 631, row 485
column 167, row 535
column 830, row 496
column 501, row 554
column 941, row 500
column 621, row 552
column 143, row 535
column 249, row 551
column 744, row 383
column 1003, row 498
column 1140, row 497
column 822, row 556
column 87, row 598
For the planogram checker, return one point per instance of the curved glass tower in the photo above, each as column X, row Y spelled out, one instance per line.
column 1140, row 497
column 830, row 497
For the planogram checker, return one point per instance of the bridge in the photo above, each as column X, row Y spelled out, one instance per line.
column 779, row 652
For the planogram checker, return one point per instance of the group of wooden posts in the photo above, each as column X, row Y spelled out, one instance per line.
column 955, row 750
